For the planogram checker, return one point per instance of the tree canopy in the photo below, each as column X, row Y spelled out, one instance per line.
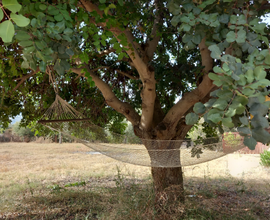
column 137, row 59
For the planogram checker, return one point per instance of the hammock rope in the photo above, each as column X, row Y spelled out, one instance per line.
column 62, row 117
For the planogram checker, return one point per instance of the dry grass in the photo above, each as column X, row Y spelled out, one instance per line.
column 55, row 162
column 33, row 178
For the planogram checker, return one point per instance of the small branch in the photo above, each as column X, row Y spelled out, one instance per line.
column 127, row 75
column 264, row 6
column 93, row 70
column 105, row 52
column 24, row 78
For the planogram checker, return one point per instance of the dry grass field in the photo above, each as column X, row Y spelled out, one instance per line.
column 65, row 181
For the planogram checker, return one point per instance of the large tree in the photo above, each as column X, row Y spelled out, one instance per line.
column 139, row 58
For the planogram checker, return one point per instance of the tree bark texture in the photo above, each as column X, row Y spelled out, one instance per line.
column 168, row 185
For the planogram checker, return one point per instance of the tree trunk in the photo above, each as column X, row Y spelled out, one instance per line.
column 168, row 185
column 166, row 173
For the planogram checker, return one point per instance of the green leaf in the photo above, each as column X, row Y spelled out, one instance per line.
column 60, row 26
column 69, row 51
column 249, row 75
column 48, row 51
column 235, row 77
column 26, row 43
column 12, row 5
column 92, row 84
column 53, row 10
column 58, row 68
column 224, row 18
column 220, row 104
column 215, row 52
column 243, row 131
column 215, row 118
column 42, row 66
column 1, row 14
column 240, row 99
column 248, row 91
column 28, row 49
column 102, row 1
column 240, row 109
column 210, row 103
column 259, row 73
column 241, row 20
column 261, row 135
column 227, row 122
column 250, row 142
column 21, row 36
column 206, row 3
column 191, row 118
column 25, row 64
column 244, row 120
column 120, row 2
column 58, row 17
column 68, row 31
column 40, row 45
column 106, row 10
column 231, row 112
column 218, row 70
column 259, row 121
column 231, row 37
column 225, row 94
column 42, row 7
column 67, row 38
column 241, row 37
column 40, row 56
column 267, row 59
column 65, row 64
column 186, row 27
column 258, row 108
column 112, row 6
column 7, row 31
column 175, row 20
column 214, row 76
column 199, row 108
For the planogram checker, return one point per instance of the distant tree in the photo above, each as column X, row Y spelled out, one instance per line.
column 22, row 131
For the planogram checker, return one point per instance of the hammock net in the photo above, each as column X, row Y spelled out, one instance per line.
column 62, row 117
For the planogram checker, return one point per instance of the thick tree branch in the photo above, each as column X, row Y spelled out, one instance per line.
column 111, row 99
column 153, row 40
column 147, row 76
column 189, row 99
column 158, row 113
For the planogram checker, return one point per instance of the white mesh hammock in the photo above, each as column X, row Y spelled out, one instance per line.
column 63, row 118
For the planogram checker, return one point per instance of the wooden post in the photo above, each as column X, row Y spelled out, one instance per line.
column 60, row 138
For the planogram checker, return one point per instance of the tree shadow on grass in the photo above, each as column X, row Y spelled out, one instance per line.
column 220, row 198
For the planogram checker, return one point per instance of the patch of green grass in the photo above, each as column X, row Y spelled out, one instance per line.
column 265, row 158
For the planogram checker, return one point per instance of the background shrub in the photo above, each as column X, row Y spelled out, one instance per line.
column 265, row 158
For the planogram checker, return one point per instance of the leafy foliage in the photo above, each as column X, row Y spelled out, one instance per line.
column 56, row 36
column 22, row 131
